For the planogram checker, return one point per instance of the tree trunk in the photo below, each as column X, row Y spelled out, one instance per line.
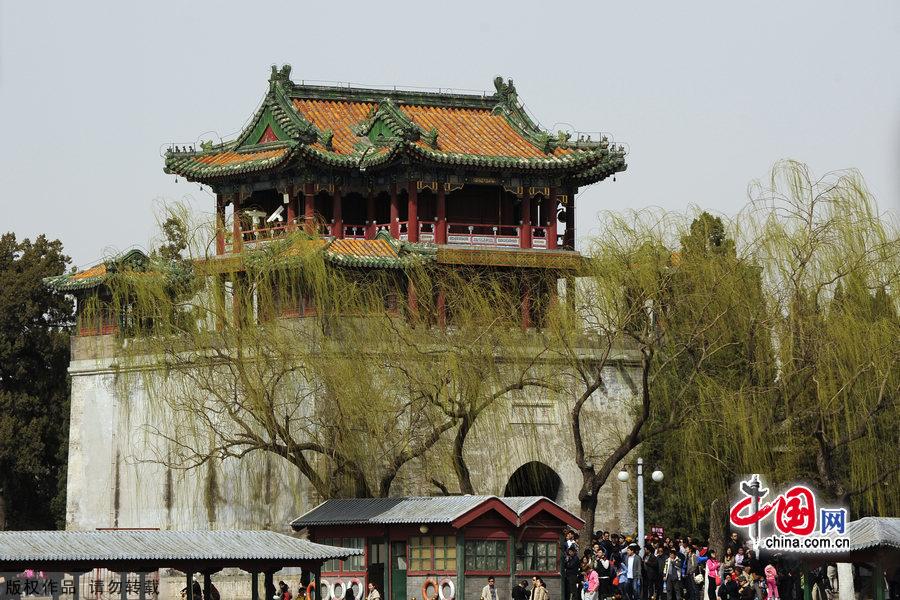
column 587, row 511
column 463, row 475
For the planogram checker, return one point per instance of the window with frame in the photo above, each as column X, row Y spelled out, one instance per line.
column 486, row 555
column 354, row 564
column 432, row 553
column 538, row 557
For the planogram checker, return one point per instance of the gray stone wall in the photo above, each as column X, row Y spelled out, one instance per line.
column 118, row 476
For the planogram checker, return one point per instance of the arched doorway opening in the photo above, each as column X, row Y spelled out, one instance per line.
column 534, row 479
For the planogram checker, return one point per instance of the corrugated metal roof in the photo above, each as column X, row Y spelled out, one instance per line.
column 147, row 545
column 520, row 504
column 869, row 532
column 863, row 534
column 417, row 509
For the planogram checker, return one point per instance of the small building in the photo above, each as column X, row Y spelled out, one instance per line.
column 455, row 541
column 69, row 565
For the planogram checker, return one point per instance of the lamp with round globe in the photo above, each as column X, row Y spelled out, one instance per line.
column 624, row 476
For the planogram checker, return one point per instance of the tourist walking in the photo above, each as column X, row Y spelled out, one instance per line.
column 651, row 573
column 690, row 569
column 489, row 592
column 633, row 570
column 605, row 574
column 591, row 583
column 373, row 592
column 772, row 583
column 539, row 591
column 571, row 568
column 713, row 575
column 520, row 592
column 672, row 575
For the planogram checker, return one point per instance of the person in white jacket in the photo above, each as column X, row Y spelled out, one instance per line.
column 373, row 592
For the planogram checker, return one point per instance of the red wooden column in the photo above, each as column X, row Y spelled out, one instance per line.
column 395, row 213
column 550, row 211
column 370, row 216
column 569, row 236
column 337, row 230
column 412, row 225
column 291, row 211
column 525, row 229
column 237, row 243
column 309, row 208
column 220, row 224
column 440, row 232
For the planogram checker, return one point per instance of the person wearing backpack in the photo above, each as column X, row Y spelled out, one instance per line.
column 672, row 575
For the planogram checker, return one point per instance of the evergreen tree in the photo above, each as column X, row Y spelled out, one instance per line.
column 34, row 389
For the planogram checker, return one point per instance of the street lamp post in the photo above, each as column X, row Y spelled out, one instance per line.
column 656, row 476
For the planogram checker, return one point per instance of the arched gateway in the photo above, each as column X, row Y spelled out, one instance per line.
column 534, row 479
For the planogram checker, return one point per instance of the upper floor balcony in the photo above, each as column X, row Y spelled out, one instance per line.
column 476, row 216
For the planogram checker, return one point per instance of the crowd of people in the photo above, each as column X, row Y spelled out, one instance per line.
column 677, row 567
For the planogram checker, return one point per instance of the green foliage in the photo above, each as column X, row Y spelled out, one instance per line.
column 347, row 374
column 656, row 311
column 718, row 438
column 176, row 234
column 839, row 381
column 807, row 383
column 34, row 389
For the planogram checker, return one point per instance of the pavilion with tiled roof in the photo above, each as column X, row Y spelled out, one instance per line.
column 466, row 170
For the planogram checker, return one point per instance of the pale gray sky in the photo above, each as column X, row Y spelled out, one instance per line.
column 707, row 95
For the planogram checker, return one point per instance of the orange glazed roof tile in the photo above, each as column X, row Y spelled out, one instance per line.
column 460, row 130
column 472, row 131
column 231, row 158
column 377, row 248
column 337, row 116
column 95, row 271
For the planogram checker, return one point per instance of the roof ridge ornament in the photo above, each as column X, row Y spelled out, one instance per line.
column 506, row 91
column 282, row 75
column 431, row 137
column 327, row 139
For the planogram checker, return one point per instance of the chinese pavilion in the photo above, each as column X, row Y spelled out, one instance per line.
column 461, row 170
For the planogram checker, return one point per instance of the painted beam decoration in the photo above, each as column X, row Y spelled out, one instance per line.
column 792, row 521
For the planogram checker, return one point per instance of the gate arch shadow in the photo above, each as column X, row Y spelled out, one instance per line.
column 534, row 479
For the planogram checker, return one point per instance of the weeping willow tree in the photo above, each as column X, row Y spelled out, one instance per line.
column 347, row 373
column 807, row 390
column 668, row 313
column 831, row 264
